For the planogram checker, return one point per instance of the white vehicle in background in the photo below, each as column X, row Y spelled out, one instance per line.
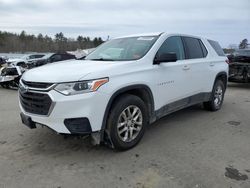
column 25, row 59
column 124, row 85
column 10, row 76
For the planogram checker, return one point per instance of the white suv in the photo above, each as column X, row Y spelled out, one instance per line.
column 124, row 85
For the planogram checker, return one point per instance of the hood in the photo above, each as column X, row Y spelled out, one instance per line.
column 67, row 71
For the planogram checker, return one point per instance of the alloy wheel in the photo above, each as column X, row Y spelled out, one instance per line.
column 129, row 123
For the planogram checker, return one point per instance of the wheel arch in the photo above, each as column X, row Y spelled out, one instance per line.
column 223, row 77
column 21, row 64
column 140, row 90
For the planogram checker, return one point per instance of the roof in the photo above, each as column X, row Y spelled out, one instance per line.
column 158, row 34
column 142, row 35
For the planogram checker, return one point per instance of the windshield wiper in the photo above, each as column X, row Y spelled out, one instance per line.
column 100, row 59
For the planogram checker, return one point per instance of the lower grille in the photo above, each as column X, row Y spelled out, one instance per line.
column 35, row 103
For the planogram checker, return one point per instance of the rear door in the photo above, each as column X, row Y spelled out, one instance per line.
column 197, row 73
column 217, row 61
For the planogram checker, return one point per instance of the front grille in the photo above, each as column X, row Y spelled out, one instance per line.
column 35, row 103
column 39, row 85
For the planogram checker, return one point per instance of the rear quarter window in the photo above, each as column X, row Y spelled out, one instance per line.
column 216, row 46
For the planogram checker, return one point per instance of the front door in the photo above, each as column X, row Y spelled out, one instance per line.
column 172, row 78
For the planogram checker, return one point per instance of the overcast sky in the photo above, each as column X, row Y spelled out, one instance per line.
column 227, row 21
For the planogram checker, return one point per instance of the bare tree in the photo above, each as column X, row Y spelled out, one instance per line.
column 243, row 44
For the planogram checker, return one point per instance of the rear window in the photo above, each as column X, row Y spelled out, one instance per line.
column 194, row 48
column 216, row 47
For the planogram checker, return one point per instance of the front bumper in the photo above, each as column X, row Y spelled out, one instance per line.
column 4, row 79
column 77, row 114
column 76, row 126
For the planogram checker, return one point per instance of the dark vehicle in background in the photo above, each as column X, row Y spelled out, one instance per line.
column 239, row 66
column 51, row 58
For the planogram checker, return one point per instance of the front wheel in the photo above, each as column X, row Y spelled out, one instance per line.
column 127, row 122
column 217, row 97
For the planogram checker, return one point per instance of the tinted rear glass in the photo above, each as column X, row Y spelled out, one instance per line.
column 216, row 47
column 193, row 48
column 204, row 50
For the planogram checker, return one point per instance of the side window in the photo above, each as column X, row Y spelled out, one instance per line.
column 31, row 57
column 193, row 48
column 38, row 56
column 56, row 57
column 173, row 45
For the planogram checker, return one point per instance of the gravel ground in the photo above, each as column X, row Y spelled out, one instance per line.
column 190, row 148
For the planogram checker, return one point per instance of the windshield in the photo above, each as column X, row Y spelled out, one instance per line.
column 25, row 57
column 123, row 49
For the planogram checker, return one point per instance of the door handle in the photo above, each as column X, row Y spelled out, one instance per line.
column 186, row 67
column 211, row 64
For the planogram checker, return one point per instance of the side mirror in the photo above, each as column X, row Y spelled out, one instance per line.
column 165, row 57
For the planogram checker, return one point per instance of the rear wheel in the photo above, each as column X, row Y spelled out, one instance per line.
column 127, row 122
column 5, row 85
column 217, row 97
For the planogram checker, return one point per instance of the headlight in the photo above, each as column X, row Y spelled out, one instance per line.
column 80, row 87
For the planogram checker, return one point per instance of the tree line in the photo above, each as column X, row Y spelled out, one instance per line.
column 23, row 42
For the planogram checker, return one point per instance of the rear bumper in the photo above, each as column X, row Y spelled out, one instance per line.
column 239, row 72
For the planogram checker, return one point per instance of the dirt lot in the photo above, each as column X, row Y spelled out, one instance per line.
column 190, row 148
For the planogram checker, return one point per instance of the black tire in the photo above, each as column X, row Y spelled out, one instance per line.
column 215, row 103
column 5, row 85
column 123, row 104
column 245, row 76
